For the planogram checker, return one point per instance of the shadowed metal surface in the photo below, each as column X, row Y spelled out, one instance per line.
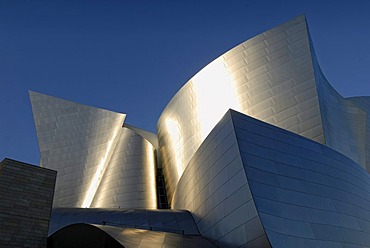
column 269, row 77
column 132, row 238
column 251, row 179
column 166, row 220
column 344, row 122
column 214, row 188
column 363, row 102
column 108, row 236
column 82, row 235
column 306, row 194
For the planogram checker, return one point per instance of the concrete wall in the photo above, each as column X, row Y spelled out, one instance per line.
column 26, row 196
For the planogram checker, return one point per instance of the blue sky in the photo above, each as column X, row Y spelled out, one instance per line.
column 133, row 56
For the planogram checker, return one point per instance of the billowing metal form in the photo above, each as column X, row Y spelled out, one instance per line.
column 99, row 163
column 77, row 141
column 269, row 77
column 344, row 122
column 306, row 194
column 214, row 188
column 165, row 220
column 251, row 183
column 117, row 237
column 248, row 182
column 129, row 181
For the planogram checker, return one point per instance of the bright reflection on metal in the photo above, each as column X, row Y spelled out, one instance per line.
column 268, row 77
column 100, row 171
column 211, row 104
column 174, row 130
column 151, row 170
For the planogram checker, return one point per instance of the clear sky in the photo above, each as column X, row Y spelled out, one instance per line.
column 133, row 56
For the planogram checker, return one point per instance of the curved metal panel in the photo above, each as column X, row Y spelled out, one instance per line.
column 84, row 235
column 252, row 181
column 165, row 220
column 215, row 190
column 306, row 194
column 363, row 102
column 129, row 180
column 344, row 122
column 77, row 141
column 153, row 239
column 269, row 77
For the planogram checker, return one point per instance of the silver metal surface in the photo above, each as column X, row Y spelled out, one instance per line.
column 88, row 235
column 363, row 103
column 165, row 220
column 129, row 180
column 99, row 162
column 253, row 184
column 273, row 77
column 306, row 194
column 284, row 172
column 135, row 238
column 269, row 77
column 344, row 122
column 214, row 188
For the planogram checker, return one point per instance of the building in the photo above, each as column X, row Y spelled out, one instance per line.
column 26, row 196
column 251, row 151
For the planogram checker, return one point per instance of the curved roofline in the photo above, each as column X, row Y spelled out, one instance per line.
column 222, row 54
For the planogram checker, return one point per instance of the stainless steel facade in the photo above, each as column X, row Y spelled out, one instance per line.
column 286, row 170
column 88, row 235
column 165, row 220
column 92, row 153
column 363, row 103
column 306, row 194
column 269, row 77
column 255, row 185
column 348, row 135
column 129, row 180
column 274, row 77
column 215, row 189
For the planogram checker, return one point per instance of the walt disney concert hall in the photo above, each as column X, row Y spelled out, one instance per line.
column 256, row 150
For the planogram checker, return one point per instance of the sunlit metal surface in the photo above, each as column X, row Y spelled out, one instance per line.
column 165, row 220
column 77, row 141
column 99, row 162
column 246, row 182
column 269, row 77
column 129, row 181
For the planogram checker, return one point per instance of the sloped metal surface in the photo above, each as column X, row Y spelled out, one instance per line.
column 129, row 180
column 269, row 77
column 166, row 220
column 77, row 141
